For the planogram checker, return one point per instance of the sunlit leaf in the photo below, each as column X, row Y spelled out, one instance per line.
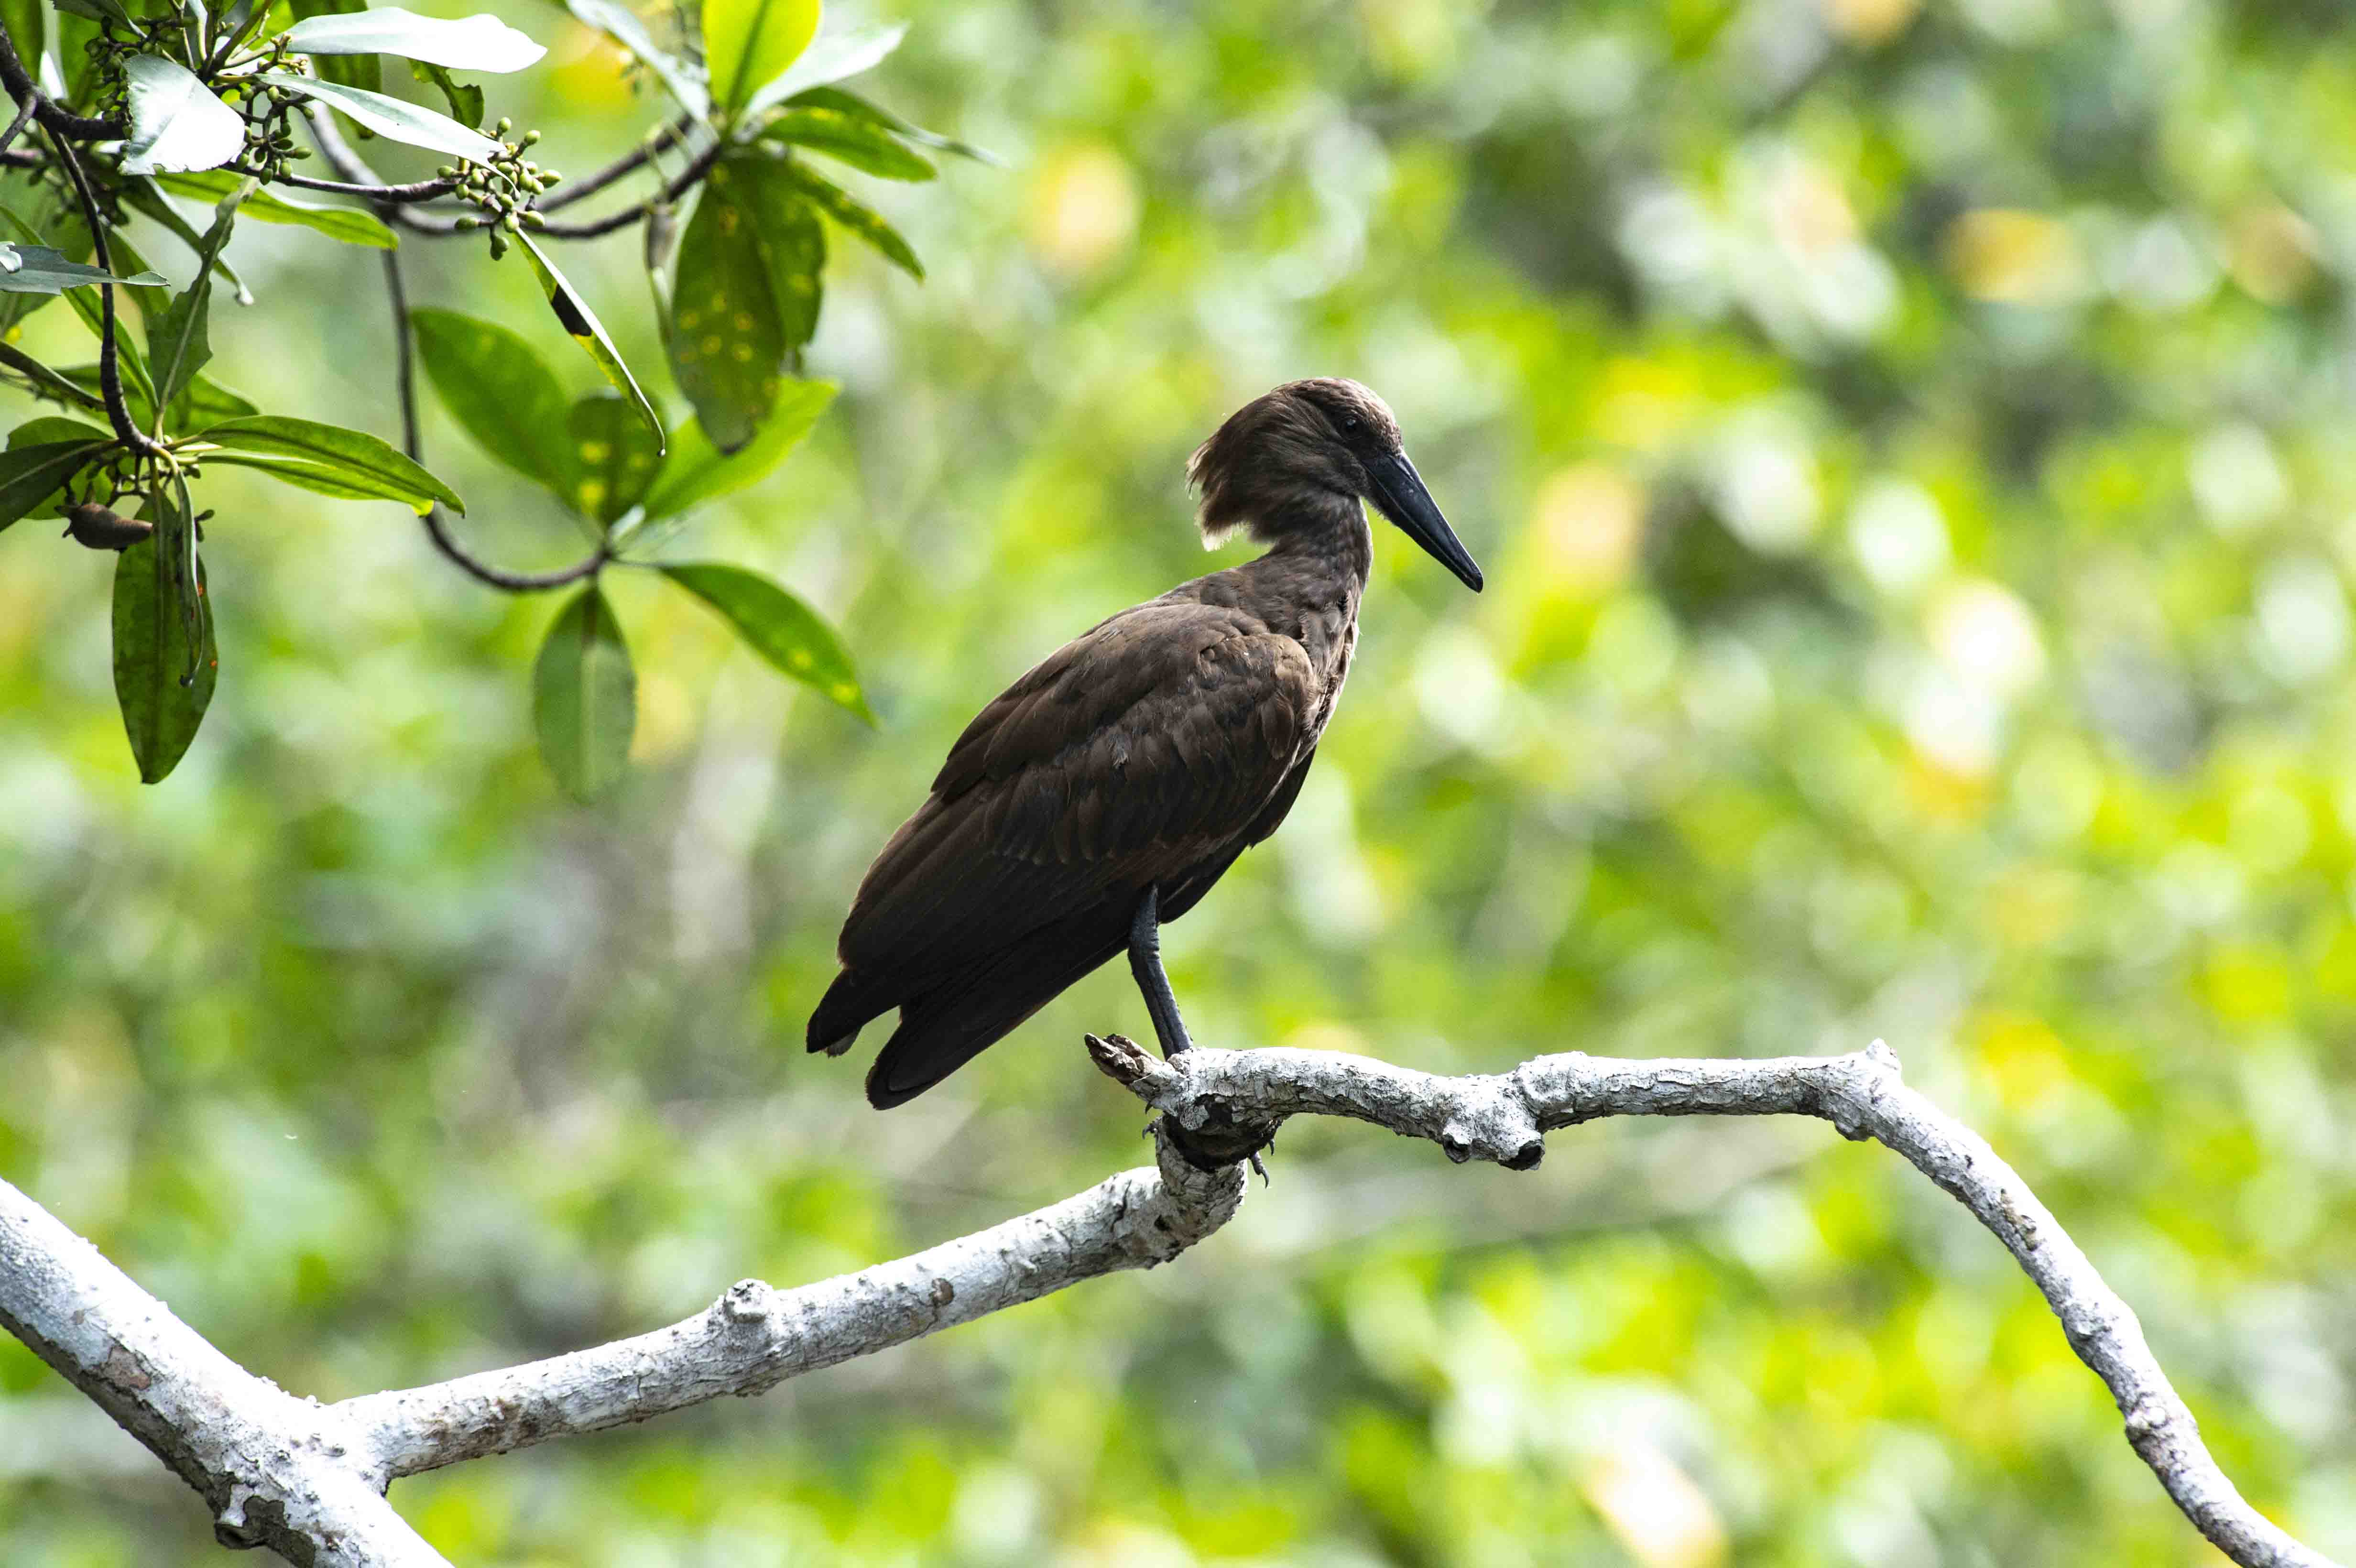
column 850, row 104
column 777, row 625
column 582, row 326
column 836, row 57
column 857, row 216
column 466, row 101
column 175, row 120
column 178, row 337
column 860, row 143
column 363, row 71
column 352, row 458
column 33, row 472
column 584, row 698
column 37, row 270
column 616, row 456
column 161, row 683
column 728, row 333
column 699, row 472
column 477, row 43
column 620, row 24
column 402, row 121
column 748, row 44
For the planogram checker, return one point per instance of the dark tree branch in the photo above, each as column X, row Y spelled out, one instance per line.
column 8, row 137
column 687, row 179
column 110, row 359
column 57, row 120
column 420, row 190
column 627, row 163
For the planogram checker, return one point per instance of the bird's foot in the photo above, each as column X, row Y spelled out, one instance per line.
column 1260, row 1165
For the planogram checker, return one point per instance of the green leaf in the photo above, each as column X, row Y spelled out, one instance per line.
column 749, row 43
column 22, row 18
column 883, row 118
column 37, row 270
column 178, row 340
column 857, row 216
column 97, row 10
column 55, row 428
column 352, row 458
column 477, row 43
column 621, row 25
column 138, row 388
column 175, row 120
column 75, row 62
column 312, row 476
column 402, row 121
column 501, row 393
column 730, row 332
column 615, row 457
column 859, row 142
column 582, row 325
column 584, row 698
column 465, row 102
column 348, row 224
column 33, row 472
column 162, row 698
column 203, row 402
column 147, row 196
column 835, row 58
column 697, row 471
column 779, row 627
column 53, row 221
column 48, row 382
column 363, row 71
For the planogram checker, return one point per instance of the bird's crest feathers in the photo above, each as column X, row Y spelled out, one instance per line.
column 1292, row 446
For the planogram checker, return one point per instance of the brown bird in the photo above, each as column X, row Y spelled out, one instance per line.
column 1106, row 790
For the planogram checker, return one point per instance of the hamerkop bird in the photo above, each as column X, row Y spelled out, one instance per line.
column 1106, row 790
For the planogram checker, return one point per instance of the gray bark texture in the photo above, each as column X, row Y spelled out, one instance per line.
column 308, row 1480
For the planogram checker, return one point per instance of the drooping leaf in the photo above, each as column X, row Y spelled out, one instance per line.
column 466, row 101
column 477, row 43
column 620, row 24
column 348, row 224
column 584, row 698
column 748, row 44
column 698, row 472
column 45, row 218
column 832, row 58
column 148, row 196
column 857, row 216
column 582, row 325
column 179, row 337
column 883, row 118
column 616, row 458
column 33, row 472
column 402, row 121
column 352, row 458
column 363, row 71
column 203, row 402
column 319, row 480
column 163, row 677
column 175, row 120
column 96, row 10
column 860, row 143
column 500, row 390
column 779, row 627
column 57, row 427
column 47, row 381
column 37, row 270
column 727, row 334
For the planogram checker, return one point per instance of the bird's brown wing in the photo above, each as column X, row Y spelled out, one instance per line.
column 1128, row 755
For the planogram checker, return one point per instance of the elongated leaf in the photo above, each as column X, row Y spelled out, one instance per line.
column 339, row 483
column 584, row 698
column 698, row 472
column 883, row 118
column 582, row 326
column 203, row 402
column 139, row 390
column 402, row 121
column 857, row 216
column 50, row 428
column 31, row 473
column 162, row 702
column 348, row 224
column 836, row 57
column 96, row 10
column 747, row 44
column 620, row 24
column 180, row 341
column 37, row 270
column 44, row 219
column 465, row 102
column 860, row 143
column 148, row 196
column 351, row 457
column 363, row 71
column 175, row 120
column 727, row 334
column 617, row 458
column 500, row 390
column 477, row 43
column 22, row 18
column 48, row 382
column 779, row 627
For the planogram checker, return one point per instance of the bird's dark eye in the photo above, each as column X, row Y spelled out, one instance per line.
column 1350, row 422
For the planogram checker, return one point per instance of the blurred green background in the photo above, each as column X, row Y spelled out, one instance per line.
column 1908, row 440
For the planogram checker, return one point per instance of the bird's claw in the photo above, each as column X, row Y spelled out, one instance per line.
column 1260, row 1165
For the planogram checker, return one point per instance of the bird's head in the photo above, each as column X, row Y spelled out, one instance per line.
column 1288, row 454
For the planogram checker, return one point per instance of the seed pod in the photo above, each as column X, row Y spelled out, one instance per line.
column 94, row 526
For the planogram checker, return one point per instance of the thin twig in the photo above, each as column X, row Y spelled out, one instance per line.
column 8, row 137
column 54, row 118
column 420, row 190
column 110, row 363
column 437, row 525
column 627, row 163
column 677, row 186
column 348, row 163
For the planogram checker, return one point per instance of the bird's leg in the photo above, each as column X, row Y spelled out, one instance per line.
column 1145, row 963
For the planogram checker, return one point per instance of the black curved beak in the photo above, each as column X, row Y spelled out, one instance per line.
column 1399, row 491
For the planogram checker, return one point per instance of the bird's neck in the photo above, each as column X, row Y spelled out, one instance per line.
column 1322, row 553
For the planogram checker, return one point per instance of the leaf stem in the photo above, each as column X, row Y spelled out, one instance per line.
column 110, row 363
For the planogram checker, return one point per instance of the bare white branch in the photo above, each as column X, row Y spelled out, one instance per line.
column 308, row 1480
